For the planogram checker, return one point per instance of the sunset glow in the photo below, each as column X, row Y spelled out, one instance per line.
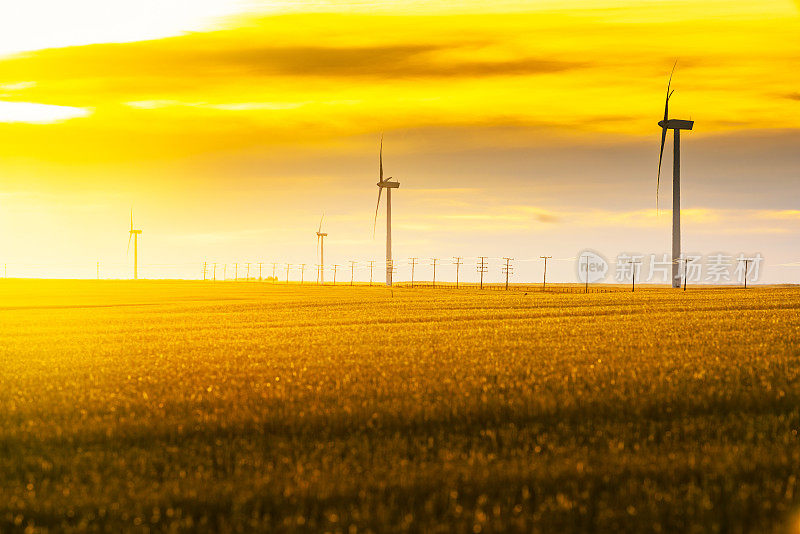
column 220, row 123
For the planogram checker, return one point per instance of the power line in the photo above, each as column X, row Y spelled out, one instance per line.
column 482, row 267
column 458, row 262
column 746, row 263
column 507, row 269
column 635, row 264
column 685, row 270
column 544, row 279
column 586, row 289
column 352, row 269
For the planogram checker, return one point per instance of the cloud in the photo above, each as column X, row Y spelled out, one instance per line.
column 217, row 58
column 38, row 113
column 17, row 86
column 378, row 61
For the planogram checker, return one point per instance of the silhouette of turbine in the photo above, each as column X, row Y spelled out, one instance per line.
column 321, row 250
column 388, row 185
column 676, row 125
column 135, row 235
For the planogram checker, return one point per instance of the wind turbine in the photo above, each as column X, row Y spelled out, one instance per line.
column 321, row 247
column 676, row 125
column 135, row 235
column 388, row 185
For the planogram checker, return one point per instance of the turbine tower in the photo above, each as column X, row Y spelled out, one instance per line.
column 676, row 125
column 388, row 185
column 321, row 249
column 135, row 235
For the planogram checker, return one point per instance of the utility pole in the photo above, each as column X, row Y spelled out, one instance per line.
column 633, row 274
column 685, row 271
column 507, row 269
column 413, row 264
column 457, row 261
column 248, row 271
column 259, row 270
column 215, row 272
column 434, row 260
column 302, row 272
column 586, row 288
column 205, row 268
column 482, row 267
column 236, row 272
column 352, row 269
column 335, row 267
column 273, row 272
column 371, row 266
column 746, row 263
column 288, row 266
column 544, row 280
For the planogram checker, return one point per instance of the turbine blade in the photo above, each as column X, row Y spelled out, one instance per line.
column 320, row 222
column 664, row 129
column 381, row 161
column 131, row 219
column 129, row 243
column 375, row 222
column 669, row 82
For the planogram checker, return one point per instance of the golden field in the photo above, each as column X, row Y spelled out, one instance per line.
column 240, row 407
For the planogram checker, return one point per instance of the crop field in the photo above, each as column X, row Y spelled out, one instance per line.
column 242, row 407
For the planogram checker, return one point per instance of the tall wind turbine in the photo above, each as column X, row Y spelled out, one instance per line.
column 321, row 249
column 135, row 235
column 388, row 185
column 676, row 125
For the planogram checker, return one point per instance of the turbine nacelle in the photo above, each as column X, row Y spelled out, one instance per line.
column 387, row 183
column 676, row 124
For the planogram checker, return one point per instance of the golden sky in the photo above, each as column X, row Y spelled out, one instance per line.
column 519, row 129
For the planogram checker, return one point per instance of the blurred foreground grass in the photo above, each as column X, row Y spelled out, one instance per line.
column 174, row 406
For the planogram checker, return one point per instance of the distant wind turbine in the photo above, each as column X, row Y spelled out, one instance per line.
column 676, row 125
column 135, row 235
column 321, row 250
column 388, row 185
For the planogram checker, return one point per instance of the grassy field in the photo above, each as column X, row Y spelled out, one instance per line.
column 237, row 407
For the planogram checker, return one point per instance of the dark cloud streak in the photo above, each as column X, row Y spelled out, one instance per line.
column 211, row 56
